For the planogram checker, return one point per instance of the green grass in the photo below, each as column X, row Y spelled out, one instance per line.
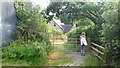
column 62, row 61
column 10, row 62
column 92, row 61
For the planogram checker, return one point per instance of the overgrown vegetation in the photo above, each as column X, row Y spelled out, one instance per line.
column 32, row 45
column 34, row 53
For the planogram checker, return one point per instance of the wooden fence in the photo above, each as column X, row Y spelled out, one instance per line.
column 98, row 51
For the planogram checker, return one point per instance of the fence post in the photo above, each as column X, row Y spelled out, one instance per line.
column 108, row 55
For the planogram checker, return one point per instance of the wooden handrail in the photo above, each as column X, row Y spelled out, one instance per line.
column 98, row 56
column 97, row 50
column 97, row 45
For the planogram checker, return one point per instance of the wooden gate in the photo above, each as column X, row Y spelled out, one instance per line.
column 68, row 43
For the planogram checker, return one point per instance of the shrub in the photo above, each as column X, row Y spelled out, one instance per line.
column 33, row 54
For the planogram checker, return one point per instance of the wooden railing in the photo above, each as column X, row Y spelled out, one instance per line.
column 98, row 51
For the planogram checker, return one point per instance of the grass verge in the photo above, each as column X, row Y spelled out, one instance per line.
column 92, row 61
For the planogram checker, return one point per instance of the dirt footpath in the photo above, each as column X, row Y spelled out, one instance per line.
column 61, row 54
column 75, row 59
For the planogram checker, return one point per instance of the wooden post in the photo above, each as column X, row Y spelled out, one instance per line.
column 108, row 55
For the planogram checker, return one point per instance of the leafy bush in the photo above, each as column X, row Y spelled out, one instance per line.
column 32, row 44
column 32, row 23
column 33, row 54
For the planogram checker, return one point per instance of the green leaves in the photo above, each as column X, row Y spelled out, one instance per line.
column 110, row 32
column 74, row 11
column 31, row 45
column 31, row 21
column 27, row 52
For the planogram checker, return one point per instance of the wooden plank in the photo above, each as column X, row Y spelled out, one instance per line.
column 97, row 45
column 97, row 56
column 96, row 50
